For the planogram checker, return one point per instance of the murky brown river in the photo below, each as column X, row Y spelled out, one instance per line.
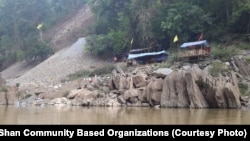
column 120, row 115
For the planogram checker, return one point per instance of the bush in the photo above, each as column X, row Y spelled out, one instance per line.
column 27, row 96
column 104, row 70
column 172, row 58
column 223, row 53
column 78, row 74
column 248, row 60
column 218, row 68
column 17, row 85
column 103, row 90
column 4, row 89
column 66, row 93
column 244, row 46
column 99, row 71
column 243, row 88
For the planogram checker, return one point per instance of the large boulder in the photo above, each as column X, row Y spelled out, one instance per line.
column 232, row 96
column 83, row 97
column 139, row 80
column 120, row 82
column 195, row 89
column 154, row 91
column 162, row 72
column 220, row 98
column 227, row 97
column 174, row 93
column 210, row 96
column 196, row 98
column 240, row 65
column 131, row 95
column 143, row 94
column 227, row 92
column 207, row 87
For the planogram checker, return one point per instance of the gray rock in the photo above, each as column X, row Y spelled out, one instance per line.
column 162, row 72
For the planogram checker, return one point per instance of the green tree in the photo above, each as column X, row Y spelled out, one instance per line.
column 110, row 34
column 152, row 23
column 19, row 19
column 184, row 19
column 240, row 22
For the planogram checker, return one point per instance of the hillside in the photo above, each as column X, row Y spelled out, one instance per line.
column 57, row 67
column 68, row 31
column 67, row 40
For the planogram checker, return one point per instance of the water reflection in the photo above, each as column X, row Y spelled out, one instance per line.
column 120, row 115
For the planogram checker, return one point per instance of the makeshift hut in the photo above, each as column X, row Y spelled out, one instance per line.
column 139, row 56
column 194, row 51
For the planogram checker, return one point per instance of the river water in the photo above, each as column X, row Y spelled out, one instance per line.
column 58, row 115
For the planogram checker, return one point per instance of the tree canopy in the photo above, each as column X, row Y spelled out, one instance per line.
column 121, row 25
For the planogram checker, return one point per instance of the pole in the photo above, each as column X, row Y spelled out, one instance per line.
column 178, row 53
column 41, row 35
column 39, row 27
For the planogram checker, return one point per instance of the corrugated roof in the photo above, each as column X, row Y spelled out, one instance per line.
column 132, row 56
column 188, row 44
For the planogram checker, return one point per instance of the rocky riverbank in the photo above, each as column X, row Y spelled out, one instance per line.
column 186, row 87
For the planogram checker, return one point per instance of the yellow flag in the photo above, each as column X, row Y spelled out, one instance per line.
column 132, row 40
column 175, row 38
column 39, row 26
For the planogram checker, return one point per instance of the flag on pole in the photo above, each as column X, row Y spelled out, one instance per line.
column 175, row 39
column 132, row 41
column 39, row 26
column 201, row 36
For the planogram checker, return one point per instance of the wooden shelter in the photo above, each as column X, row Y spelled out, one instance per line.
column 144, row 56
column 194, row 51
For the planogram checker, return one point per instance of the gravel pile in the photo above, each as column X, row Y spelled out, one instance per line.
column 56, row 68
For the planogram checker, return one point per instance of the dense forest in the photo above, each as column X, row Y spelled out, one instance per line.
column 121, row 25
column 125, row 24
column 21, row 25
